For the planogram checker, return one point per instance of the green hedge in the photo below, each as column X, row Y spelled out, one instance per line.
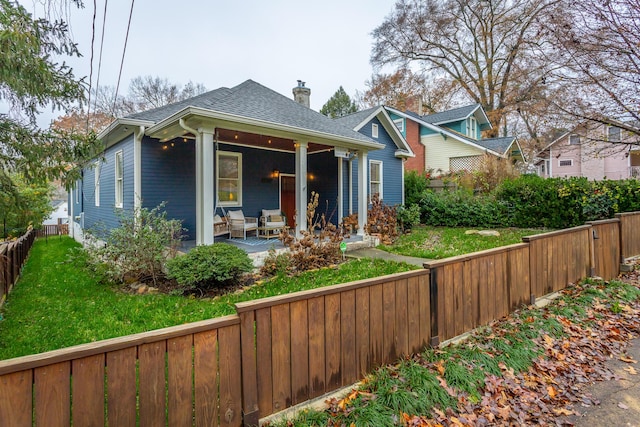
column 531, row 201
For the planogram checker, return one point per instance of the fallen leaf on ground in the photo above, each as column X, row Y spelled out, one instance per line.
column 631, row 370
column 622, row 406
column 628, row 359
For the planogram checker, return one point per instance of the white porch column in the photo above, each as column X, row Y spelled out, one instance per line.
column 350, row 180
column 340, row 191
column 301, row 186
column 70, row 207
column 363, row 197
column 137, row 169
column 199, row 236
column 208, row 181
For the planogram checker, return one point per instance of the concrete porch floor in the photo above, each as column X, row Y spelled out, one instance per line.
column 258, row 249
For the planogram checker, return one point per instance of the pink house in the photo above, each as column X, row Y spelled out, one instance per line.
column 594, row 153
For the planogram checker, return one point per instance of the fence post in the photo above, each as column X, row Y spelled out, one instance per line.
column 433, row 303
column 250, row 409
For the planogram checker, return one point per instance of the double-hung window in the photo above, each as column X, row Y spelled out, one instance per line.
column 613, row 134
column 119, row 171
column 472, row 127
column 229, row 178
column 375, row 178
column 374, row 130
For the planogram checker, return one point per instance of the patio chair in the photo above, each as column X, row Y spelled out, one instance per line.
column 240, row 224
column 220, row 226
column 272, row 221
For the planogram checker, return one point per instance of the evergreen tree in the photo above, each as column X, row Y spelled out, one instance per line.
column 32, row 79
column 340, row 104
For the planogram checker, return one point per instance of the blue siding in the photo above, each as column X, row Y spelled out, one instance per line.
column 168, row 175
column 259, row 190
column 104, row 216
column 391, row 166
column 424, row 131
column 459, row 126
column 324, row 169
column 404, row 121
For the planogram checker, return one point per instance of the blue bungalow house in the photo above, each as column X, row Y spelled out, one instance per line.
column 242, row 148
column 451, row 140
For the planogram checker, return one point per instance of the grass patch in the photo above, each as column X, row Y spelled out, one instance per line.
column 440, row 242
column 58, row 303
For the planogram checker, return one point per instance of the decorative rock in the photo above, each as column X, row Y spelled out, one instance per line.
column 489, row 233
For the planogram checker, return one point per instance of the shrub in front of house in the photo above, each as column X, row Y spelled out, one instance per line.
column 415, row 185
column 205, row 267
column 138, row 248
column 408, row 216
column 460, row 208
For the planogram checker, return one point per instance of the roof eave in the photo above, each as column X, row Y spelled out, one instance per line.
column 316, row 136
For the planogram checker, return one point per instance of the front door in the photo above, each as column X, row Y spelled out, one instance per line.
column 288, row 197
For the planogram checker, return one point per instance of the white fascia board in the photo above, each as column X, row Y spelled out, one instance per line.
column 373, row 114
column 111, row 136
column 443, row 131
column 396, row 135
column 313, row 136
column 555, row 141
column 391, row 128
column 403, row 154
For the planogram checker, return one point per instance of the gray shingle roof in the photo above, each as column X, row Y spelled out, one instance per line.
column 499, row 145
column 255, row 101
column 354, row 119
column 448, row 116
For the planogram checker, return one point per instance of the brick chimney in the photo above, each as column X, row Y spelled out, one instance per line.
column 302, row 94
column 414, row 104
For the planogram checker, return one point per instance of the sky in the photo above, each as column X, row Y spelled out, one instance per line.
column 326, row 44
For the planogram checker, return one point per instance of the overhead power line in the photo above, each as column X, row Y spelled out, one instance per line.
column 124, row 50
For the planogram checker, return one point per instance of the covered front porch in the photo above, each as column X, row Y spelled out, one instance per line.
column 232, row 165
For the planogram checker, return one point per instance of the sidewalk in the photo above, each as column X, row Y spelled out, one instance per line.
column 619, row 399
column 377, row 253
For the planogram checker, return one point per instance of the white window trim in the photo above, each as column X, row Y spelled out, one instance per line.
column 78, row 192
column 381, row 194
column 374, row 130
column 237, row 202
column 399, row 124
column 97, row 184
column 472, row 128
column 619, row 136
column 119, row 179
column 565, row 160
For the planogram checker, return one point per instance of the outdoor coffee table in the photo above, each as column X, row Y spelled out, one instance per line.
column 269, row 232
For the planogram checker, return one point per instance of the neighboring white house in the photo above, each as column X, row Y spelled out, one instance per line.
column 61, row 208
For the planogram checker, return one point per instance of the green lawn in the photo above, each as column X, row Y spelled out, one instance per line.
column 57, row 303
column 440, row 242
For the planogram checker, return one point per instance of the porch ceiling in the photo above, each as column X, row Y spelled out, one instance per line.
column 266, row 142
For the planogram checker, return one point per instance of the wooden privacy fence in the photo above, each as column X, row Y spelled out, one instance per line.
column 629, row 226
column 180, row 376
column 53, row 230
column 12, row 257
column 309, row 343
column 285, row 350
